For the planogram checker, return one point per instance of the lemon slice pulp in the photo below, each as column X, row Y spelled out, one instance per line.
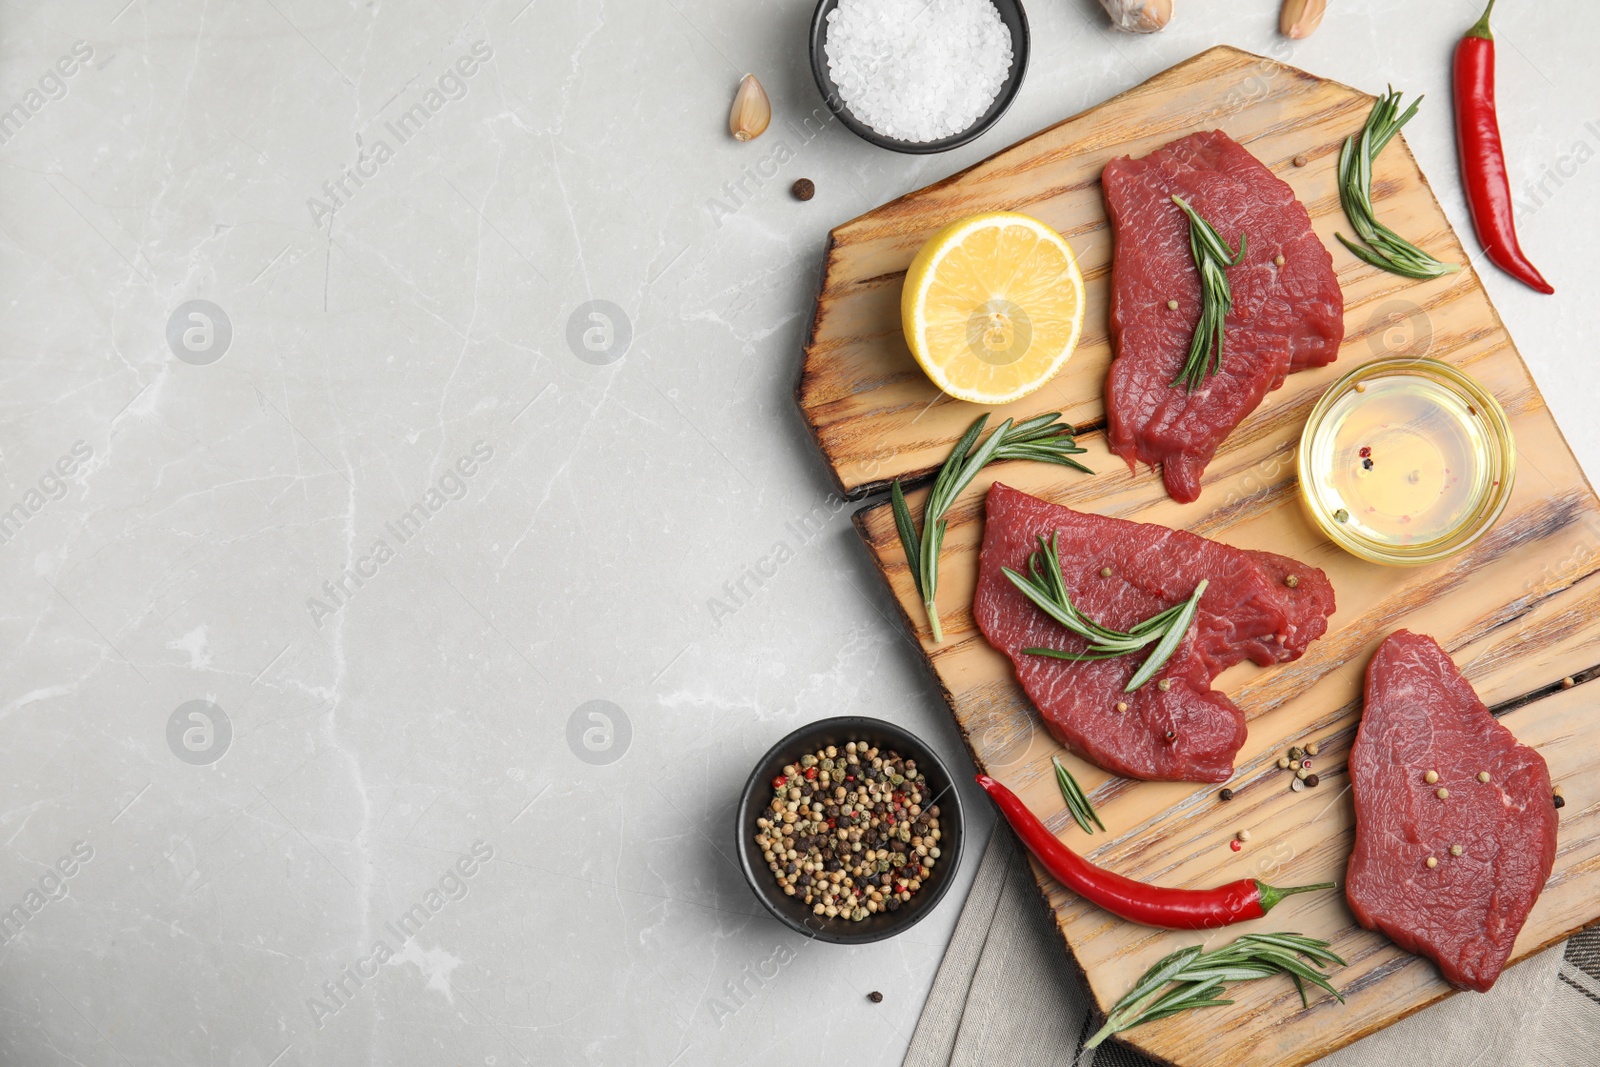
column 993, row 306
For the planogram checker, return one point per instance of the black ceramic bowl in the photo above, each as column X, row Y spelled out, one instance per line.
column 757, row 794
column 1010, row 13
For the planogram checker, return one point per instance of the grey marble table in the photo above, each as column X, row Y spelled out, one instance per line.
column 409, row 540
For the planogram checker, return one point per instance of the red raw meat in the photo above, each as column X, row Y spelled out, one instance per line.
column 1464, row 913
column 1284, row 318
column 1247, row 612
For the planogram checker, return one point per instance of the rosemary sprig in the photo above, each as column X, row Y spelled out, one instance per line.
column 1388, row 250
column 1077, row 800
column 1045, row 586
column 1212, row 258
column 1040, row 438
column 1197, row 978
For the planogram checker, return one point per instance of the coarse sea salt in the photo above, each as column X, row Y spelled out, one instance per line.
column 917, row 70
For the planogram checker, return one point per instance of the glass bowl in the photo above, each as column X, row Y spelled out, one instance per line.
column 1406, row 461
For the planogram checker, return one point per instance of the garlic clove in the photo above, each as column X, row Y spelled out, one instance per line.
column 1301, row 18
column 752, row 111
column 1138, row 16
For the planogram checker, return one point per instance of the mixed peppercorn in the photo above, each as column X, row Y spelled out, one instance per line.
column 846, row 831
column 1300, row 760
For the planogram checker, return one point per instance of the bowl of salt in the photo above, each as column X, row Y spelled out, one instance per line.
column 919, row 76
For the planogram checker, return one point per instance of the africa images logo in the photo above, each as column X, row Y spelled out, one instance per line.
column 454, row 884
column 448, row 87
column 50, row 887
column 599, row 332
column 599, row 732
column 453, row 484
column 199, row 732
column 199, row 332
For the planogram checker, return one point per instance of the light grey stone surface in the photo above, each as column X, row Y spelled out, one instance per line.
column 225, row 867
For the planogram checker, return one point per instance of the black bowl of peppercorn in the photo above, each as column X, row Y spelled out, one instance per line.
column 850, row 830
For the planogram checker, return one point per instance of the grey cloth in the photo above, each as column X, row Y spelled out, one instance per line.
column 1006, row 994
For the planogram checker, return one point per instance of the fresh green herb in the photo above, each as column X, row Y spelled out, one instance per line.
column 1197, row 978
column 1212, row 258
column 1078, row 805
column 1388, row 250
column 1040, row 438
column 1045, row 586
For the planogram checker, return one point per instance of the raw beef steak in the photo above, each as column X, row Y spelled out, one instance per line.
column 1187, row 732
column 1284, row 318
column 1421, row 715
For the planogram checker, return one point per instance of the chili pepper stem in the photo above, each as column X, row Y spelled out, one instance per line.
column 1481, row 27
column 1271, row 895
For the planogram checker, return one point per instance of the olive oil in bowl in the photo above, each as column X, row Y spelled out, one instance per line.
column 1406, row 461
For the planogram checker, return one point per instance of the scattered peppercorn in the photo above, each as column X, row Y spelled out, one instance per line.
column 1341, row 515
column 1283, row 763
column 1366, row 464
column 1297, row 784
column 1164, row 685
column 1559, row 801
column 1172, row 305
column 1442, row 793
column 1292, row 581
column 854, row 840
column 1225, row 794
column 1431, row 777
column 1483, row 776
column 1302, row 773
column 1235, row 845
column 803, row 188
column 1456, row 850
column 1105, row 572
column 1296, row 752
column 1278, row 260
column 1311, row 749
column 1243, row 835
column 1366, row 451
column 1312, row 781
column 874, row 996
column 1361, row 387
column 1122, row 705
column 1567, row 683
column 1433, row 861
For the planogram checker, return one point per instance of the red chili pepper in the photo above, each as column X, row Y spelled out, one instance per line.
column 1483, row 160
column 1174, row 909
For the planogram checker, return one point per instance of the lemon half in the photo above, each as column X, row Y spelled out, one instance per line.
column 993, row 306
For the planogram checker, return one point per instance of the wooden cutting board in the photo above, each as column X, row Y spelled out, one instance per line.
column 1520, row 611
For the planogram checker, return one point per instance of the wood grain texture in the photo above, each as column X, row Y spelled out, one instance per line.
column 1519, row 611
column 872, row 411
